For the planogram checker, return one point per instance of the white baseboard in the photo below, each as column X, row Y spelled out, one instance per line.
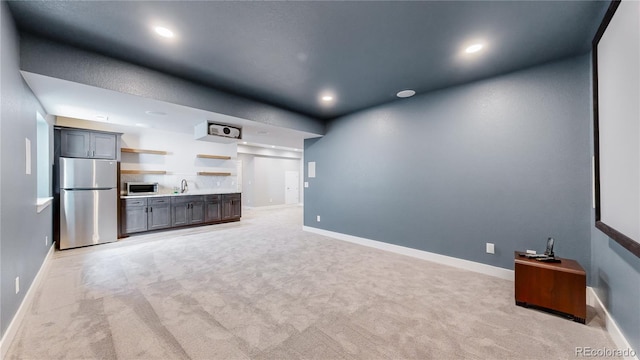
column 269, row 207
column 12, row 329
column 592, row 299
column 420, row 254
column 612, row 328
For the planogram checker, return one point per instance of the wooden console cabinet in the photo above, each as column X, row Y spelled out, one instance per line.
column 558, row 287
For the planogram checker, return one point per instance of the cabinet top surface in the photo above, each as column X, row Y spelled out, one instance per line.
column 185, row 194
column 567, row 265
column 67, row 128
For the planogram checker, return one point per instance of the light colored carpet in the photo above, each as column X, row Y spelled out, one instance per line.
column 264, row 289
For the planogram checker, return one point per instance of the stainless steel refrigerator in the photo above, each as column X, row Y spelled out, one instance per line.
column 88, row 202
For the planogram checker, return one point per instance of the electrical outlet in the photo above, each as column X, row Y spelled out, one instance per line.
column 17, row 284
column 491, row 248
column 318, row 218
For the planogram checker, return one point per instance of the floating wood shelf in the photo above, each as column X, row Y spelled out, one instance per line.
column 143, row 151
column 137, row 172
column 207, row 173
column 219, row 157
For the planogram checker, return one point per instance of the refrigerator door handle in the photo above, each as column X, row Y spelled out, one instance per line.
column 85, row 189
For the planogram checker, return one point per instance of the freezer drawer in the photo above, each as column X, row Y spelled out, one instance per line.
column 87, row 173
column 87, row 217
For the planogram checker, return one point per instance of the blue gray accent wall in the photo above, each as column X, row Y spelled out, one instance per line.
column 616, row 280
column 22, row 229
column 504, row 160
column 45, row 57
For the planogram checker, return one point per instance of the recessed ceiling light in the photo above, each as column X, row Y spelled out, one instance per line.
column 244, row 142
column 155, row 113
column 142, row 125
column 262, row 132
column 405, row 93
column 473, row 48
column 273, row 146
column 102, row 117
column 164, row 32
column 327, row 98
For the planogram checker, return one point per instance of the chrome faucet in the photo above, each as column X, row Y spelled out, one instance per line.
column 183, row 186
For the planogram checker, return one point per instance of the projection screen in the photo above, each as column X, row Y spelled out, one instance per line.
column 616, row 62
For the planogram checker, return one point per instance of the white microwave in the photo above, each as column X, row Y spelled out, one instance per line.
column 141, row 188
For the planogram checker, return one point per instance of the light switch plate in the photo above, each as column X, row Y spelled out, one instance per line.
column 27, row 143
column 491, row 248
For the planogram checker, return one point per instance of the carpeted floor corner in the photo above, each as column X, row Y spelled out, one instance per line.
column 264, row 289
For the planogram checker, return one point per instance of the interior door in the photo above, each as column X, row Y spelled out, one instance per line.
column 291, row 187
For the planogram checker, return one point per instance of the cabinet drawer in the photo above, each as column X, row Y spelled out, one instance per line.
column 208, row 198
column 186, row 199
column 134, row 202
column 159, row 201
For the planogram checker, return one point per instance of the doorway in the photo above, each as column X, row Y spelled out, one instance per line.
column 291, row 187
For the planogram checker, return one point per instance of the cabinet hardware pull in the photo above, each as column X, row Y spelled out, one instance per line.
column 150, row 209
column 88, row 153
column 146, row 210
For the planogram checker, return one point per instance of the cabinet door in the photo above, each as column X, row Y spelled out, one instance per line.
column 212, row 211
column 159, row 215
column 180, row 213
column 134, row 219
column 236, row 207
column 103, row 146
column 231, row 206
column 197, row 212
column 75, row 143
column 226, row 208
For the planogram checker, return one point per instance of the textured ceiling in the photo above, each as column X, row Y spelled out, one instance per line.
column 288, row 53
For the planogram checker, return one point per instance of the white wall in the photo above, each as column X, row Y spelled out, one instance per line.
column 264, row 176
column 269, row 179
column 180, row 162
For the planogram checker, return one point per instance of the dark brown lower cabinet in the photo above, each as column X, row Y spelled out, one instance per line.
column 558, row 287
